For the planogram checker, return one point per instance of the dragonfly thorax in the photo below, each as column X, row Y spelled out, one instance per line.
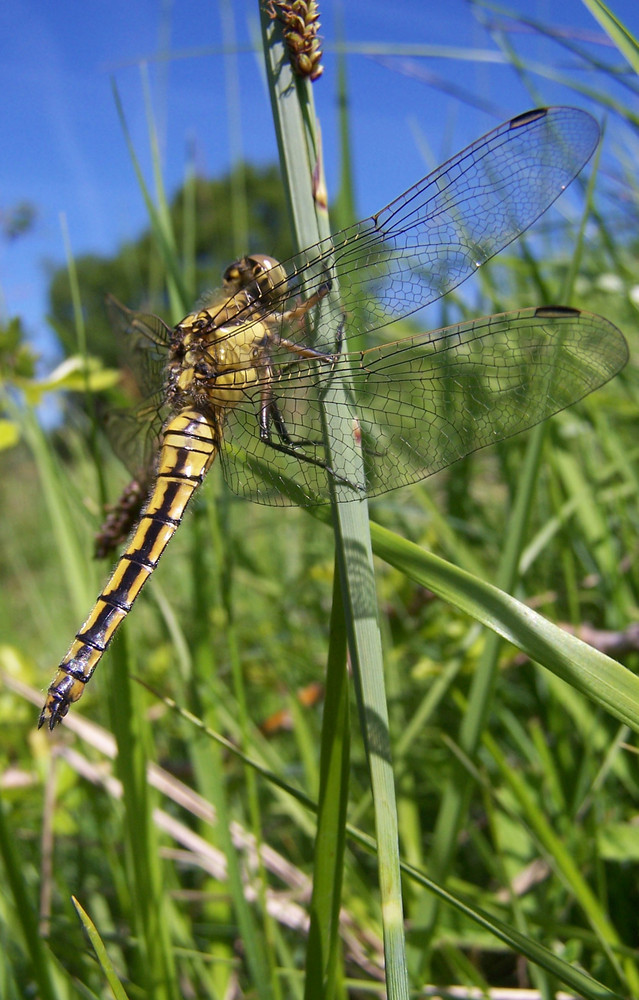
column 212, row 365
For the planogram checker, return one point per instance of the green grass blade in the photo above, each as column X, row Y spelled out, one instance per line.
column 160, row 224
column 299, row 150
column 616, row 31
column 596, row 675
column 564, row 863
column 583, row 985
column 149, row 902
column 323, row 956
column 42, row 967
column 457, row 794
column 100, row 952
column 62, row 522
column 573, row 978
column 80, row 329
column 253, row 941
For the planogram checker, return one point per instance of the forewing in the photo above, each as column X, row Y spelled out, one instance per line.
column 440, row 231
column 134, row 434
column 143, row 342
column 427, row 401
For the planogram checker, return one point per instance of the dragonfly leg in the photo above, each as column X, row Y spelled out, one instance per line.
column 307, row 353
column 302, row 307
column 313, row 354
column 295, row 317
column 271, row 416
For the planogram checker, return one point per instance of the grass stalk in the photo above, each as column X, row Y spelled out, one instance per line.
column 297, row 133
column 323, row 963
column 150, row 904
column 42, row 965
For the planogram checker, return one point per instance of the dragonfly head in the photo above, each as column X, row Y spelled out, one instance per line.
column 260, row 276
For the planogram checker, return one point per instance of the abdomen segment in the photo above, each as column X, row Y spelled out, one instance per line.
column 190, row 443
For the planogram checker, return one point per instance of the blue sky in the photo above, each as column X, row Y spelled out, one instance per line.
column 63, row 149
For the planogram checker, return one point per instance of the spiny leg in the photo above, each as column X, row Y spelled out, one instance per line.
column 271, row 415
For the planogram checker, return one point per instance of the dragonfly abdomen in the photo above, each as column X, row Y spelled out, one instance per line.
column 190, row 443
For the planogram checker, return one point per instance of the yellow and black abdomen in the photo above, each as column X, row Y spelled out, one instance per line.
column 190, row 443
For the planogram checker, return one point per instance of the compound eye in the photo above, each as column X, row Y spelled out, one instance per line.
column 260, row 276
column 269, row 274
column 234, row 277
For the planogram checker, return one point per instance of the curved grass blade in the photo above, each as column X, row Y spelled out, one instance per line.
column 100, row 952
column 596, row 675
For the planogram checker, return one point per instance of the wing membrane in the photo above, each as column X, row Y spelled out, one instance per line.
column 427, row 401
column 435, row 235
column 424, row 402
column 143, row 342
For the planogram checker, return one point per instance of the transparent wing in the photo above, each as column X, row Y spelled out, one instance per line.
column 440, row 231
column 143, row 342
column 134, row 435
column 427, row 401
column 424, row 402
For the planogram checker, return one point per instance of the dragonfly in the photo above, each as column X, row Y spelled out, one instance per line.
column 251, row 375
